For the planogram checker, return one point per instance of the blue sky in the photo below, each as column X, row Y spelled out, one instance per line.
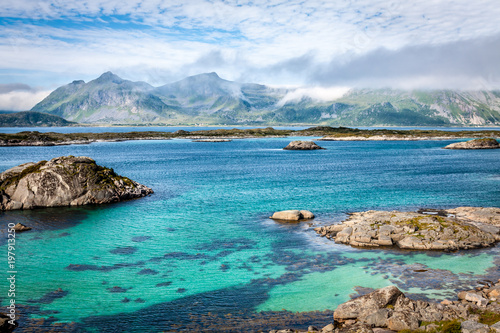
column 315, row 43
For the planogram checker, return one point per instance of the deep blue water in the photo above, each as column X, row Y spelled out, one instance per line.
column 204, row 238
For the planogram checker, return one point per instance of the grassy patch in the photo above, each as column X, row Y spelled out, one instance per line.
column 486, row 317
column 445, row 326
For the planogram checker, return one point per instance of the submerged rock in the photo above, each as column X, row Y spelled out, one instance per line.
column 8, row 324
column 302, row 145
column 475, row 144
column 408, row 230
column 21, row 227
column 65, row 181
column 292, row 215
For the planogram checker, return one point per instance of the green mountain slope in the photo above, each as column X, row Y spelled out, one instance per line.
column 107, row 99
column 31, row 119
column 208, row 99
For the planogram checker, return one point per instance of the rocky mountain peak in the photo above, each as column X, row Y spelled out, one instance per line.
column 109, row 77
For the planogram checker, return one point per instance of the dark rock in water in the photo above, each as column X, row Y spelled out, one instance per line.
column 21, row 227
column 124, row 250
column 139, row 239
column 5, row 323
column 117, row 289
column 148, row 271
column 49, row 297
column 65, row 181
column 302, row 145
column 475, row 144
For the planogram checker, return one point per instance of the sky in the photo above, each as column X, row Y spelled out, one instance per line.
column 320, row 46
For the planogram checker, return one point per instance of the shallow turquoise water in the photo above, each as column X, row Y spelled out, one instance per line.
column 206, row 229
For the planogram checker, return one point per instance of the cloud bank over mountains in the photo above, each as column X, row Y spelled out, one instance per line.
column 319, row 44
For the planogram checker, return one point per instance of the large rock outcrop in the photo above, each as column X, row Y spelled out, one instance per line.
column 302, row 145
column 64, row 181
column 408, row 230
column 389, row 310
column 475, row 144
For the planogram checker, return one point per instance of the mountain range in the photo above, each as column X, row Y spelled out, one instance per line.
column 209, row 99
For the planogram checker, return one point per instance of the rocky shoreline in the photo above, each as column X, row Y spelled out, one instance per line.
column 64, row 181
column 448, row 230
column 388, row 310
column 326, row 133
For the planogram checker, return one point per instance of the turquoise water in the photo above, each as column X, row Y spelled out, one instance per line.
column 204, row 238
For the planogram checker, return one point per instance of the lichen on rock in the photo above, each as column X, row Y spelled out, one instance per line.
column 64, row 181
column 409, row 230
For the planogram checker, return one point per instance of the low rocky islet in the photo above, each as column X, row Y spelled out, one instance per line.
column 418, row 231
column 302, row 145
column 486, row 143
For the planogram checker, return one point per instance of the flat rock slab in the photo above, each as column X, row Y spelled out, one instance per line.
column 64, row 181
column 409, row 230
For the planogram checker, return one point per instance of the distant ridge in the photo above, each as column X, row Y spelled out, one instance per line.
column 208, row 99
column 31, row 119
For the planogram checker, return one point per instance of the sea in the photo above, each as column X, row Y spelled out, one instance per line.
column 202, row 254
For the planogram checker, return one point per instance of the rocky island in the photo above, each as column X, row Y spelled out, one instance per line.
column 302, row 145
column 488, row 143
column 64, row 181
column 450, row 230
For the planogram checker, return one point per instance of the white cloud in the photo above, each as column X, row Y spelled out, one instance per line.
column 268, row 41
column 315, row 93
column 21, row 100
